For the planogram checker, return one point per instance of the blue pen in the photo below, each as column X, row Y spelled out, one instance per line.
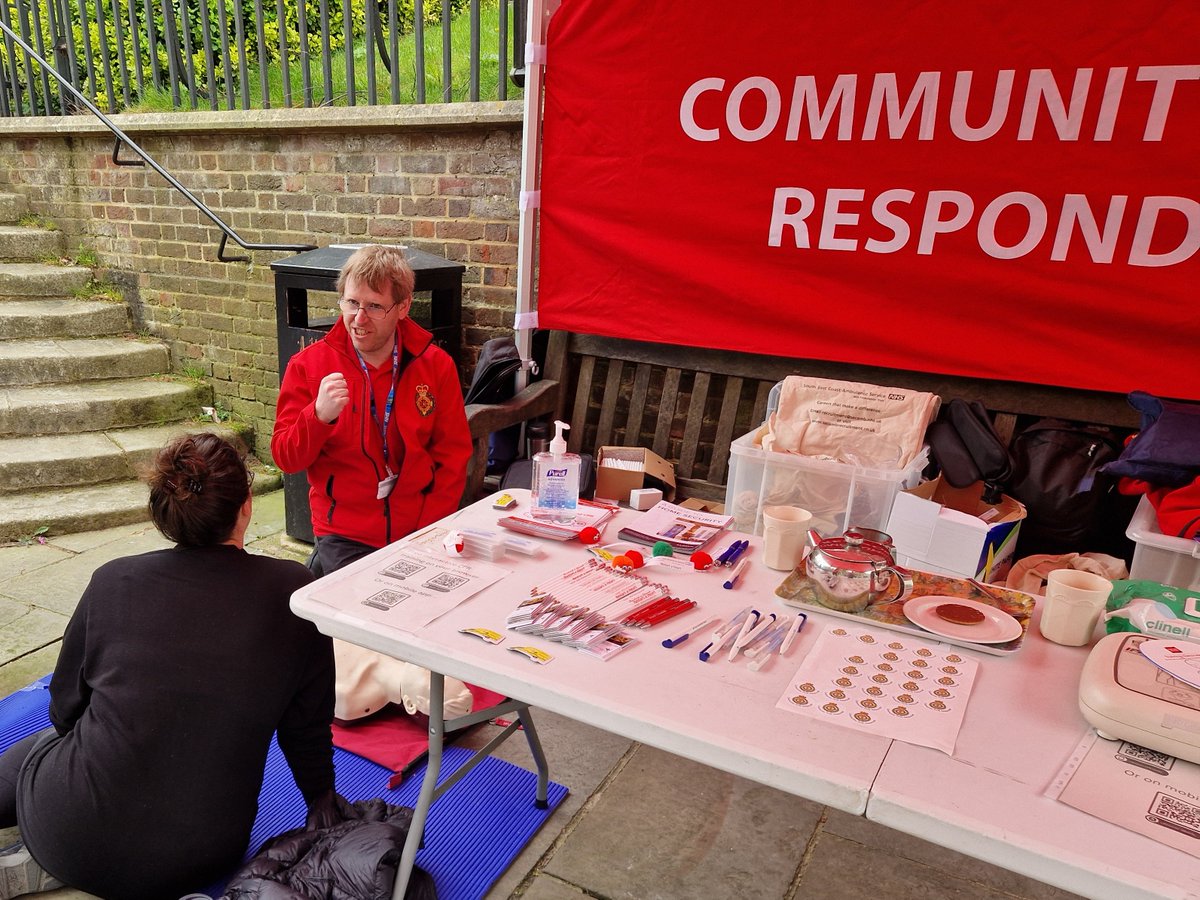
column 722, row 634
column 742, row 547
column 674, row 642
column 726, row 553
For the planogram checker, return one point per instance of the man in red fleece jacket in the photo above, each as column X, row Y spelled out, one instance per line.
column 374, row 413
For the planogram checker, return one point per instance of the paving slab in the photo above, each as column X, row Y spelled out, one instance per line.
column 59, row 587
column 546, row 887
column 877, row 837
column 669, row 827
column 17, row 559
column 28, row 669
column 841, row 869
column 36, row 629
column 579, row 756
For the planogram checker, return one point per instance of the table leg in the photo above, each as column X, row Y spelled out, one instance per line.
column 416, row 831
column 539, row 757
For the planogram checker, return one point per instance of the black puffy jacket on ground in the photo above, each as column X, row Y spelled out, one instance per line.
column 345, row 852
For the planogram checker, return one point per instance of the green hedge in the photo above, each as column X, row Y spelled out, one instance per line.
column 137, row 46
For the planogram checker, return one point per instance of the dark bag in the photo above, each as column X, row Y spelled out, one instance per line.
column 1070, row 506
column 967, row 449
column 1166, row 450
column 494, row 382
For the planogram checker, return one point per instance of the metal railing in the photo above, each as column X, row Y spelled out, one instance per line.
column 144, row 158
column 248, row 54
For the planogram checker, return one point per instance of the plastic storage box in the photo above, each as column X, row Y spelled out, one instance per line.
column 1159, row 557
column 838, row 495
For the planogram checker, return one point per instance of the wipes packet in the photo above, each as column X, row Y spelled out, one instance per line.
column 1149, row 607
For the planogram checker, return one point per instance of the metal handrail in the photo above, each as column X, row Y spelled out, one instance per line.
column 146, row 159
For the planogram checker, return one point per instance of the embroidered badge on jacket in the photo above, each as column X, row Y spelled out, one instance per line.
column 424, row 400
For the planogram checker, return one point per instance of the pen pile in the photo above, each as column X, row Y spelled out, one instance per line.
column 758, row 636
column 593, row 603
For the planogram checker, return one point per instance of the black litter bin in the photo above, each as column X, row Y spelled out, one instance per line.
column 437, row 305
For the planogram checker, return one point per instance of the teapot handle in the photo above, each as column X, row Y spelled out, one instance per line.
column 904, row 579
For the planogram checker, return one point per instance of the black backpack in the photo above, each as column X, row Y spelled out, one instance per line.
column 1071, row 507
column 495, row 381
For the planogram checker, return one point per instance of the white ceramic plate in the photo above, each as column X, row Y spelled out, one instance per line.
column 996, row 627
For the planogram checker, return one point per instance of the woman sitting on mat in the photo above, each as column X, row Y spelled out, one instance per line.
column 175, row 670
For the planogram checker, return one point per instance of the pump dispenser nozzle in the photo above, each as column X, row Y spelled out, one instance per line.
column 558, row 445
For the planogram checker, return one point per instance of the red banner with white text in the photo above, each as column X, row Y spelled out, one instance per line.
column 998, row 190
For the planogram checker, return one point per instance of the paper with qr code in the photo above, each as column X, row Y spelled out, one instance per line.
column 406, row 585
column 888, row 684
column 1134, row 787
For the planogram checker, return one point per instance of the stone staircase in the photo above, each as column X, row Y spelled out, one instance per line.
column 83, row 402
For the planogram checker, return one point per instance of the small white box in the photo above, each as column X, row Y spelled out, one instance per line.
column 932, row 535
column 644, row 498
column 1160, row 557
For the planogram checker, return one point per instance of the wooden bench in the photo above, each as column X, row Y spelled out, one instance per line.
column 688, row 404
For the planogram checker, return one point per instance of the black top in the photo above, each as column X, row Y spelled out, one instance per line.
column 175, row 670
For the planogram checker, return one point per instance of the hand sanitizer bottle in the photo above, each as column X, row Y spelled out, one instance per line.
column 556, row 480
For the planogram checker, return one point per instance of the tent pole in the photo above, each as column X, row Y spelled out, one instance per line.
column 539, row 14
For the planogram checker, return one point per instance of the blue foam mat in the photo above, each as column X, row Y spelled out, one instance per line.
column 473, row 832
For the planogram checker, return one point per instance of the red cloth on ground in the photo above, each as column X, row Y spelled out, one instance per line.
column 394, row 739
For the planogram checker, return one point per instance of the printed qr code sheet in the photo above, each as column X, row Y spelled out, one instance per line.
column 888, row 684
column 408, row 585
column 1140, row 789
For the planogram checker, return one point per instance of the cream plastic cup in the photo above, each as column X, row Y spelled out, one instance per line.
column 785, row 531
column 1073, row 605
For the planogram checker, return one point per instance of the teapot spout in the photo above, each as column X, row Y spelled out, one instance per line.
column 814, row 537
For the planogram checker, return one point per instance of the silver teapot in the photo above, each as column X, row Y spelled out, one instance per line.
column 850, row 572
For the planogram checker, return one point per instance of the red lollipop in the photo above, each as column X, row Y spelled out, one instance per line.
column 701, row 560
column 635, row 558
column 589, row 535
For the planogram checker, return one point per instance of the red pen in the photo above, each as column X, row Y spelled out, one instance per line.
column 645, row 609
column 681, row 606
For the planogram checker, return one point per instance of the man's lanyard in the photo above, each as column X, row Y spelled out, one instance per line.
column 387, row 407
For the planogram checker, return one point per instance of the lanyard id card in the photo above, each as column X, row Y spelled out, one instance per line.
column 386, row 484
column 384, row 490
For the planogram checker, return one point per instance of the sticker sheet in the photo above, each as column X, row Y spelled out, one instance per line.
column 1137, row 788
column 888, row 684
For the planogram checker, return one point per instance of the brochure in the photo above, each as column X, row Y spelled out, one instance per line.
column 587, row 514
column 684, row 529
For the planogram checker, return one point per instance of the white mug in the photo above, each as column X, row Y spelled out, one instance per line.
column 785, row 531
column 1073, row 605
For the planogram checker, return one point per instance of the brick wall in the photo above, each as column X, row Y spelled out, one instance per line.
column 442, row 178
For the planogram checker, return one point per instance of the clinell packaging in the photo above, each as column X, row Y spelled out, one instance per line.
column 1154, row 609
column 556, row 480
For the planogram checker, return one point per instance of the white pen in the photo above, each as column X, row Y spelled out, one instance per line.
column 801, row 618
column 767, row 652
column 720, row 632
column 759, row 644
column 749, row 635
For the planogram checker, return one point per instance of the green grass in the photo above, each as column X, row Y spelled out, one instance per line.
column 100, row 290
column 30, row 220
column 460, row 43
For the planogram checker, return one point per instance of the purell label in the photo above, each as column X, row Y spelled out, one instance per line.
column 556, row 473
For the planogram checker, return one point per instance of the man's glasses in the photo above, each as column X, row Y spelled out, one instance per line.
column 373, row 310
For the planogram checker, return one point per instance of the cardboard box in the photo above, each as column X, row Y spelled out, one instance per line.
column 638, row 468
column 953, row 532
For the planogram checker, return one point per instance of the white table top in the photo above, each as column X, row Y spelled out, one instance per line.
column 987, row 800
column 1021, row 724
column 718, row 714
